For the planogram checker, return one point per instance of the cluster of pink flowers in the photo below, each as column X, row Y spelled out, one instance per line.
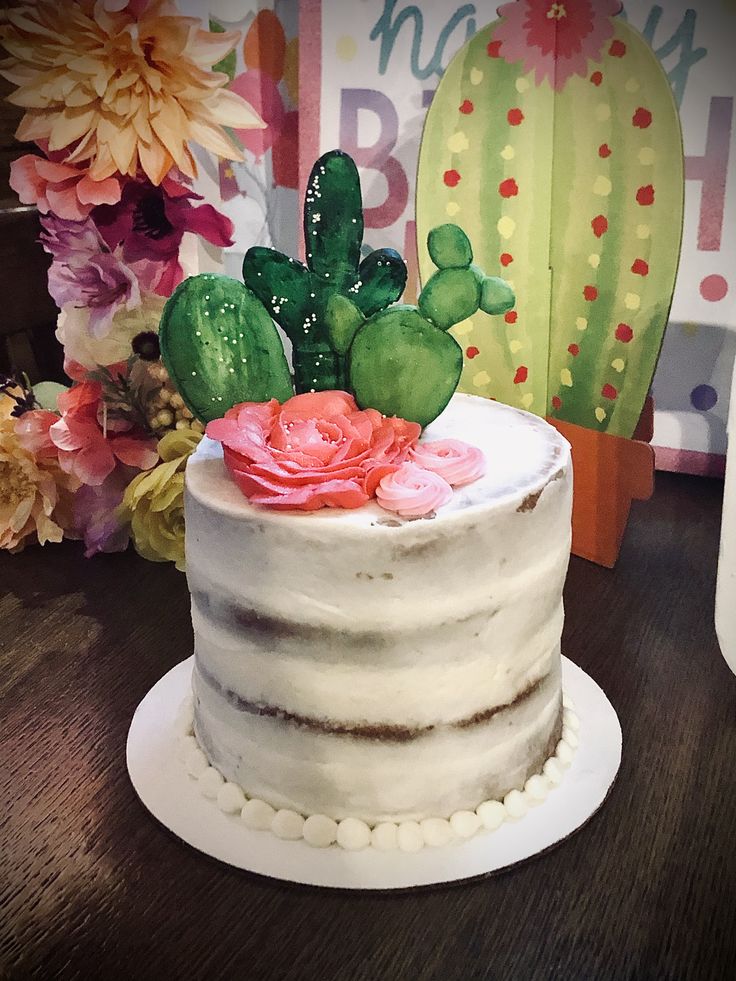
column 320, row 450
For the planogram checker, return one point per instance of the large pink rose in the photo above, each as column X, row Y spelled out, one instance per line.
column 316, row 450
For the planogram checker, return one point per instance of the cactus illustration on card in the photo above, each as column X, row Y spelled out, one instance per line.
column 554, row 140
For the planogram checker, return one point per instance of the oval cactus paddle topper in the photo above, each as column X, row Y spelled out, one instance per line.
column 554, row 138
column 220, row 346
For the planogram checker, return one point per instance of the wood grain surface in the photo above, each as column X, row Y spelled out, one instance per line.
column 92, row 887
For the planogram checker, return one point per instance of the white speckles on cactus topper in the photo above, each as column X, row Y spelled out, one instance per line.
column 452, row 208
column 632, row 301
column 458, row 142
column 481, row 379
column 602, row 186
column 506, row 226
column 602, row 112
column 600, row 413
column 566, row 378
column 476, row 76
column 647, row 155
column 581, row 323
column 508, row 152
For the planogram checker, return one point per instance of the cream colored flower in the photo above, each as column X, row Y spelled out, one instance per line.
column 122, row 91
column 35, row 494
column 154, row 501
column 72, row 330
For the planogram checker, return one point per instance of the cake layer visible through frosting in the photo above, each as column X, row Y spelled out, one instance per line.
column 356, row 663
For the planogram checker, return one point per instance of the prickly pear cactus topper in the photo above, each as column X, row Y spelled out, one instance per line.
column 221, row 347
column 554, row 139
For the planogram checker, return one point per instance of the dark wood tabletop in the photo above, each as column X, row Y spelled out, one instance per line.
column 91, row 886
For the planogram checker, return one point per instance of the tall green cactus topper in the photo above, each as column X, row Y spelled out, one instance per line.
column 220, row 346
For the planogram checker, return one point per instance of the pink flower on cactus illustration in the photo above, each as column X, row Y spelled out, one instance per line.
column 554, row 38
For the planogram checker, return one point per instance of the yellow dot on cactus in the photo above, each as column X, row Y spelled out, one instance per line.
column 602, row 186
column 476, row 76
column 527, row 399
column 632, row 301
column 458, row 142
column 508, row 152
column 594, row 260
column 618, row 364
column 566, row 377
column 452, row 208
column 643, row 231
column 600, row 413
column 481, row 379
column 522, row 84
column 506, row 226
column 602, row 112
column 515, row 346
column 581, row 323
column 632, row 84
column 647, row 155
column 464, row 327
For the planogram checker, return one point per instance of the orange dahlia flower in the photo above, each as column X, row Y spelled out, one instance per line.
column 121, row 89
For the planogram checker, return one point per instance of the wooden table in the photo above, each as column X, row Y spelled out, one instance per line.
column 92, row 887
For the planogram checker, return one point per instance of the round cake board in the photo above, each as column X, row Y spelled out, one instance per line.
column 172, row 796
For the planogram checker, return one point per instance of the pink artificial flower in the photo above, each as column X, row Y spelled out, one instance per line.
column 89, row 451
column 61, row 188
column 135, row 7
column 457, row 462
column 32, row 430
column 316, row 450
column 412, row 491
column 149, row 223
column 554, row 39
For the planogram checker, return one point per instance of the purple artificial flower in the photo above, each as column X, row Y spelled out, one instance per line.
column 95, row 518
column 85, row 273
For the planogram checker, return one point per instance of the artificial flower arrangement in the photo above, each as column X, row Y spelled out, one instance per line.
column 113, row 92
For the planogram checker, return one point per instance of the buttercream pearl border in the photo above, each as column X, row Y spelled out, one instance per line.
column 352, row 834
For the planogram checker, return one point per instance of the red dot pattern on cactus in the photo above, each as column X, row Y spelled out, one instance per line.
column 508, row 188
column 472, row 352
column 596, row 78
column 510, row 317
column 466, row 107
column 506, row 259
column 451, row 178
column 617, row 49
column 556, row 402
column 642, row 118
column 574, row 350
column 515, row 116
column 645, row 195
column 604, row 150
column 624, row 333
column 640, row 267
column 522, row 373
column 609, row 392
column 590, row 293
column 494, row 49
column 599, row 225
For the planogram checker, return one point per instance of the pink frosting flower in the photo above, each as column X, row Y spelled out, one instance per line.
column 316, row 450
column 89, row 451
column 61, row 188
column 555, row 39
column 412, row 491
column 458, row 462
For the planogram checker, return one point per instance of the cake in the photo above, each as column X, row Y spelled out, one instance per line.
column 361, row 666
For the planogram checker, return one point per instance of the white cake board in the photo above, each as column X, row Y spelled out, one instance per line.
column 172, row 796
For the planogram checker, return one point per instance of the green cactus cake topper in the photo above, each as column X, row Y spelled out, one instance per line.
column 219, row 342
column 554, row 138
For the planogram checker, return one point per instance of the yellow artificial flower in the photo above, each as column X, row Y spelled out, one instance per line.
column 35, row 494
column 122, row 91
column 153, row 502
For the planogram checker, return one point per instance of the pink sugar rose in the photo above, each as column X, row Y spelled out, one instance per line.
column 412, row 491
column 458, row 462
column 316, row 450
column 66, row 191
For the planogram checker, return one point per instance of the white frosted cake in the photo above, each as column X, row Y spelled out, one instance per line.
column 353, row 664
